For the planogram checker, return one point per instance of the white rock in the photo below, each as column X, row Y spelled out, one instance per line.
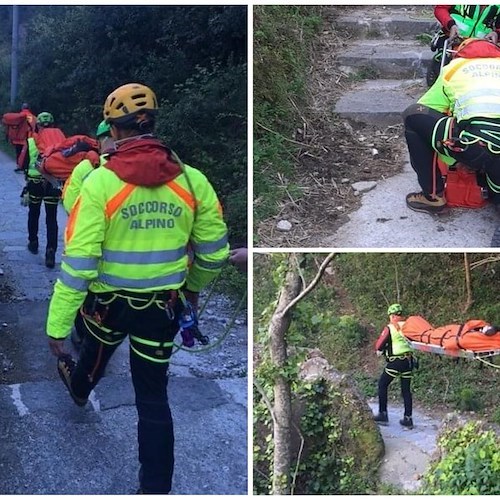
column 363, row 186
column 340, row 209
column 374, row 151
column 345, row 180
column 284, row 225
column 1, row 271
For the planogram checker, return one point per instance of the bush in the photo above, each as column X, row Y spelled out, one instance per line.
column 470, row 464
column 468, row 400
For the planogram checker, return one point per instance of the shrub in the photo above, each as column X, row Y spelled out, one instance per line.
column 470, row 463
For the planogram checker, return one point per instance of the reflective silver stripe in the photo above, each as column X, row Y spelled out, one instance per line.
column 79, row 284
column 210, row 247
column 481, row 109
column 81, row 263
column 487, row 93
column 210, row 265
column 142, row 283
column 146, row 257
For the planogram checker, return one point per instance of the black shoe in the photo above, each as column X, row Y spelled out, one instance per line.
column 381, row 418
column 407, row 422
column 33, row 247
column 50, row 258
column 19, row 169
column 65, row 367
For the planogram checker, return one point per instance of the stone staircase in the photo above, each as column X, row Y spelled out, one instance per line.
column 383, row 45
column 382, row 48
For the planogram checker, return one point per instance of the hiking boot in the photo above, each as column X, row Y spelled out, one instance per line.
column 50, row 258
column 381, row 418
column 33, row 247
column 407, row 422
column 421, row 202
column 65, row 367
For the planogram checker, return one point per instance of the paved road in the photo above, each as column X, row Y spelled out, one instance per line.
column 50, row 446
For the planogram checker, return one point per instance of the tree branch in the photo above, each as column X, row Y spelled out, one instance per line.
column 268, row 404
column 313, row 283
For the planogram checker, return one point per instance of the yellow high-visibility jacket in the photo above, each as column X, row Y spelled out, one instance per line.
column 122, row 236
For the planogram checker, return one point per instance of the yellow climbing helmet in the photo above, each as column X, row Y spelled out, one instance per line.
column 130, row 103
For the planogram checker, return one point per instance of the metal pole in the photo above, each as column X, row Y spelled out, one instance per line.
column 15, row 41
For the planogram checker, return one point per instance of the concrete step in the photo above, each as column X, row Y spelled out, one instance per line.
column 404, row 22
column 379, row 102
column 397, row 59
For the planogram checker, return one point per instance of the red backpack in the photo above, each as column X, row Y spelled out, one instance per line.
column 461, row 187
column 47, row 137
column 17, row 127
column 60, row 160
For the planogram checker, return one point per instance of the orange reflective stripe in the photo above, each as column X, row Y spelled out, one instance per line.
column 219, row 208
column 182, row 193
column 452, row 71
column 70, row 226
column 115, row 203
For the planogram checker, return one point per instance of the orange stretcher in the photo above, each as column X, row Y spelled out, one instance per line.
column 474, row 339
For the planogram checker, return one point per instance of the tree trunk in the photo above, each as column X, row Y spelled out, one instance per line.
column 282, row 393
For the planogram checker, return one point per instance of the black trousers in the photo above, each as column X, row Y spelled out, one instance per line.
column 401, row 368
column 419, row 124
column 43, row 191
column 150, row 331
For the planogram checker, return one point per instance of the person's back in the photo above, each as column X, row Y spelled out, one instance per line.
column 126, row 272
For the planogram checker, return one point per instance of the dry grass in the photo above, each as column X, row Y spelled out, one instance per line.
column 333, row 154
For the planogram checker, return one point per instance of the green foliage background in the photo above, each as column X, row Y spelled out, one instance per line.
column 193, row 57
column 283, row 36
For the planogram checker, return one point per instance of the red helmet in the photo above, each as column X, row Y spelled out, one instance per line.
column 472, row 48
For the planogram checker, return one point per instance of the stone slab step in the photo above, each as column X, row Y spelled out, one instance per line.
column 388, row 22
column 379, row 102
column 397, row 59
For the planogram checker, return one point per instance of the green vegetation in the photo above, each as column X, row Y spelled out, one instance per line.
column 193, row 57
column 283, row 37
column 470, row 464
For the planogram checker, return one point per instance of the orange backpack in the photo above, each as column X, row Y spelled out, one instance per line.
column 60, row 160
column 17, row 127
column 48, row 137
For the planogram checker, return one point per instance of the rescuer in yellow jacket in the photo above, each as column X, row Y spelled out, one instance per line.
column 458, row 118
column 126, row 264
column 74, row 183
column 400, row 364
column 39, row 189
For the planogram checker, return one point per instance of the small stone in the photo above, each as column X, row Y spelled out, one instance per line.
column 440, row 229
column 340, row 208
column 1, row 271
column 345, row 180
column 374, row 151
column 363, row 186
column 284, row 225
column 4, row 324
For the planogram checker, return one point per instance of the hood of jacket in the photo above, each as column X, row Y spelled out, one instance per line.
column 143, row 162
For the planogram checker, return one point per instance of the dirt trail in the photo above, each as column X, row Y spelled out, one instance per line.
column 407, row 452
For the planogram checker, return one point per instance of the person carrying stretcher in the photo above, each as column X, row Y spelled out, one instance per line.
column 400, row 364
